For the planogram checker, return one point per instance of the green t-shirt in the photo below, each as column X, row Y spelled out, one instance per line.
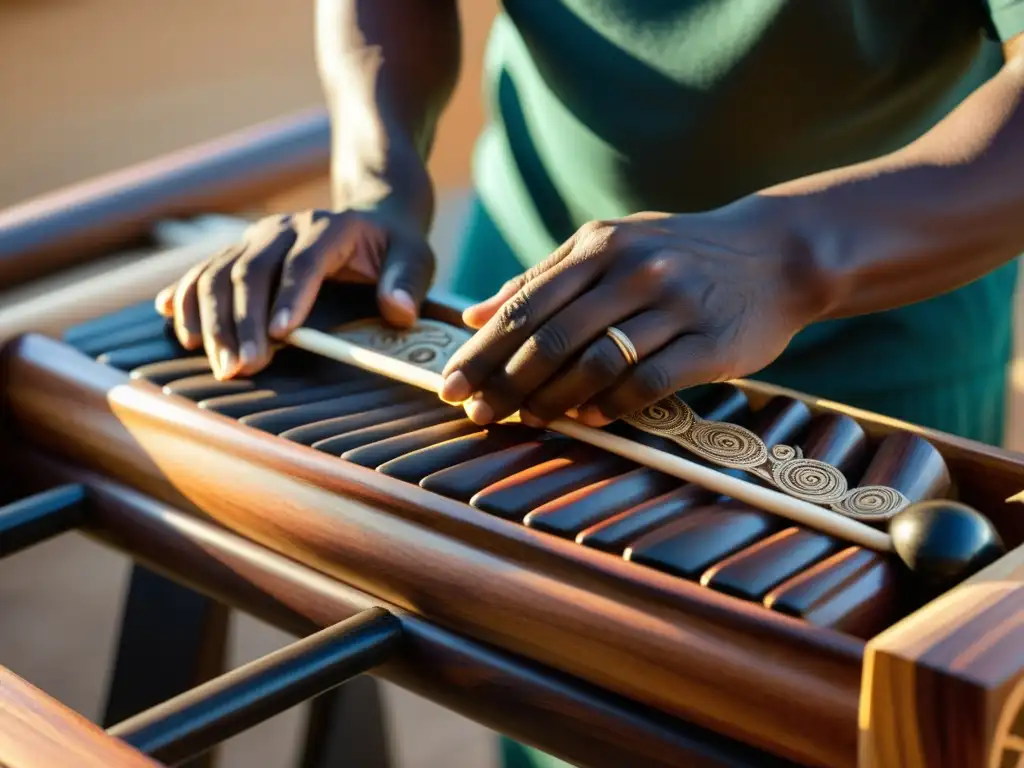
column 602, row 108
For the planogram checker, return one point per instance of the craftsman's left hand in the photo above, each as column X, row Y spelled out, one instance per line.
column 702, row 298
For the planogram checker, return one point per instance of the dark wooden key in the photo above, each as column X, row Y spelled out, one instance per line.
column 616, row 533
column 582, row 507
column 690, row 545
column 261, row 400
column 295, row 363
column 718, row 402
column 569, row 514
column 142, row 312
column 749, row 573
column 206, row 385
column 752, row 572
column 911, row 465
column 713, row 402
column 356, row 439
column 838, row 440
column 516, row 495
column 780, row 421
column 853, row 591
column 124, row 336
column 282, row 419
column 165, row 372
column 464, row 480
column 318, row 431
column 381, row 452
column 415, row 466
column 129, row 358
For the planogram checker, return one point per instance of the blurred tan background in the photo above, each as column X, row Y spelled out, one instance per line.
column 89, row 86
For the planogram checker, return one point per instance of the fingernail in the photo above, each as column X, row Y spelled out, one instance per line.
column 226, row 362
column 456, row 388
column 479, row 411
column 162, row 299
column 248, row 352
column 591, row 415
column 280, row 322
column 404, row 300
column 530, row 420
column 573, row 413
column 184, row 337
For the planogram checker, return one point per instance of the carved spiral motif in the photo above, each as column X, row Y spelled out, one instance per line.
column 810, row 480
column 421, row 355
column 728, row 444
column 429, row 344
column 671, row 416
column 784, row 453
column 872, row 502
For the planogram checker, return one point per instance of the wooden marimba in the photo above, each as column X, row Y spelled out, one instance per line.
column 566, row 596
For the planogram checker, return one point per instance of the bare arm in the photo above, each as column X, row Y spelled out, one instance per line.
column 717, row 295
column 926, row 219
column 388, row 68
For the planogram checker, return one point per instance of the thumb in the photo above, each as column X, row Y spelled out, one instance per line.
column 405, row 278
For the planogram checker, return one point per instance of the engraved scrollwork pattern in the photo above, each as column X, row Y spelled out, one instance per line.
column 430, row 344
column 784, row 466
column 728, row 445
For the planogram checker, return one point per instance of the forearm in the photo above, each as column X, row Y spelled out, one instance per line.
column 388, row 69
column 927, row 219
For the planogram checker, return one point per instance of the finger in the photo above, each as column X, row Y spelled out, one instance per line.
column 478, row 314
column 601, row 365
column 216, row 314
column 253, row 276
column 405, row 278
column 513, row 324
column 164, row 301
column 185, row 305
column 551, row 347
column 688, row 361
column 323, row 244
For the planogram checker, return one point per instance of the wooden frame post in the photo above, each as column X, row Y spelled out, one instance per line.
column 944, row 688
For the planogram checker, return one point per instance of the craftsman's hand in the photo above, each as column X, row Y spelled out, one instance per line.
column 702, row 297
column 264, row 287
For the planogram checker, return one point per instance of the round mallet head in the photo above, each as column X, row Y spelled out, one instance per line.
column 944, row 542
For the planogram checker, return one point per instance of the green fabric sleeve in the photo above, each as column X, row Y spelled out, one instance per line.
column 1007, row 17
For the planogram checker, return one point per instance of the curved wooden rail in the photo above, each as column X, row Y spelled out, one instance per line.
column 563, row 716
column 38, row 732
column 48, row 233
column 653, row 639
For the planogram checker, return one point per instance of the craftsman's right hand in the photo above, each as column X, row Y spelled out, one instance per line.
column 262, row 288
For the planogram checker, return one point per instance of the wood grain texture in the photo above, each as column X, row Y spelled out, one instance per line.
column 532, row 704
column 38, row 732
column 618, row 626
column 944, row 688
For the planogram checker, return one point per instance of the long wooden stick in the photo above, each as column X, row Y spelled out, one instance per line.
column 770, row 500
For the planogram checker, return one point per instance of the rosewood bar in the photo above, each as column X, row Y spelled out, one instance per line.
column 633, row 617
